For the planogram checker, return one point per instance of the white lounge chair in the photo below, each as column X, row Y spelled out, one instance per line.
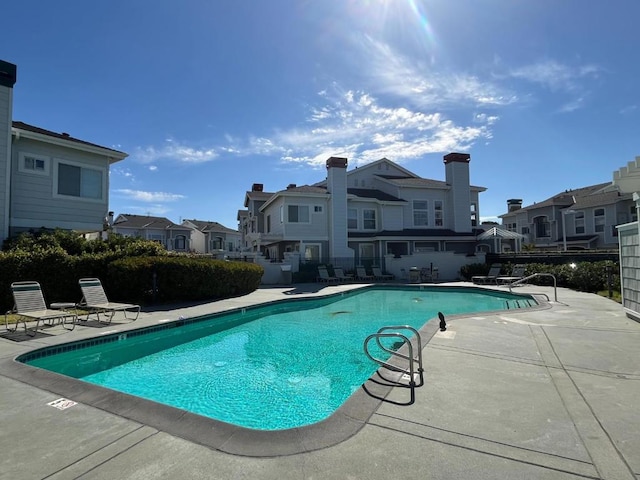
column 494, row 272
column 517, row 273
column 95, row 301
column 340, row 275
column 29, row 305
column 361, row 274
column 323, row 275
column 378, row 275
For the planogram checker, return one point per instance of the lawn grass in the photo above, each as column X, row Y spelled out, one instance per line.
column 616, row 296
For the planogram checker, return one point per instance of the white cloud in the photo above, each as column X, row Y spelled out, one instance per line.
column 391, row 72
column 556, row 76
column 173, row 150
column 153, row 168
column 149, row 196
column 629, row 109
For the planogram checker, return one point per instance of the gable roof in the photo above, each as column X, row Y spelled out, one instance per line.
column 206, row 226
column 373, row 194
column 146, row 221
column 584, row 197
column 21, row 129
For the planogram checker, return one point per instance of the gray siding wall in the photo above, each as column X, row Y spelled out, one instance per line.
column 630, row 268
column 33, row 200
column 317, row 228
column 5, row 142
column 277, row 227
column 430, row 195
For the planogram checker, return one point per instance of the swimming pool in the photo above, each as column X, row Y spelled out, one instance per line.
column 274, row 367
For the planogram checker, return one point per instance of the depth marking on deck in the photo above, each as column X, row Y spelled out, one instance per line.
column 62, row 403
column 449, row 334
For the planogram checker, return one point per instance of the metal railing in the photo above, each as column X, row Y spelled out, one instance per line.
column 413, row 371
column 522, row 280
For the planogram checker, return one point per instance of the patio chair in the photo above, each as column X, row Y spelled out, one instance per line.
column 340, row 275
column 494, row 272
column 29, row 305
column 95, row 301
column 517, row 273
column 378, row 275
column 323, row 275
column 361, row 274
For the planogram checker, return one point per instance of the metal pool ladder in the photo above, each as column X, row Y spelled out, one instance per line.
column 411, row 376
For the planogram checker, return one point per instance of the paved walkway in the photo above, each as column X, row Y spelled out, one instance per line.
column 550, row 393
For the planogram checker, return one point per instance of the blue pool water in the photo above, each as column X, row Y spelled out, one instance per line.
column 275, row 367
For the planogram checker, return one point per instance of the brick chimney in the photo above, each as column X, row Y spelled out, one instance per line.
column 514, row 204
column 337, row 215
column 459, row 197
column 257, row 187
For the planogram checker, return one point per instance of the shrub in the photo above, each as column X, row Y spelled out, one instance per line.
column 180, row 278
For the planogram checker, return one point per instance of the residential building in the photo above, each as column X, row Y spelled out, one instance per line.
column 48, row 179
column 374, row 214
column 172, row 236
column 213, row 238
column 627, row 179
column 584, row 218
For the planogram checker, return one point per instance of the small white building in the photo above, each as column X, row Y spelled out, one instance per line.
column 627, row 179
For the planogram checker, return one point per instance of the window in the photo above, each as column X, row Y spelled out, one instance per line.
column 425, row 247
column 367, row 251
column 312, row 252
column 281, row 214
column 369, row 219
column 512, row 227
column 156, row 237
column 578, row 221
column 420, row 213
column 598, row 219
column 180, row 242
column 268, row 223
column 317, row 209
column 397, row 248
column 352, row 219
column 633, row 213
column 216, row 243
column 438, row 217
column 542, row 227
column 75, row 180
column 30, row 163
column 525, row 230
column 474, row 215
column 298, row 213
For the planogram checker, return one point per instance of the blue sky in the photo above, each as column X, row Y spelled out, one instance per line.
column 208, row 97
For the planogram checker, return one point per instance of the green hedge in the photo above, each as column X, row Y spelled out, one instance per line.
column 181, row 278
column 58, row 259
column 582, row 276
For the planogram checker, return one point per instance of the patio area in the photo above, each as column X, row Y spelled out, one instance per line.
column 547, row 393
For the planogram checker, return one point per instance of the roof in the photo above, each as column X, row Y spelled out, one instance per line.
column 421, row 182
column 145, row 221
column 374, row 194
column 206, row 226
column 579, row 198
column 62, row 136
column 499, row 232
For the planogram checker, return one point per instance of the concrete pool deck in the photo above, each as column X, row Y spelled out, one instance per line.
column 546, row 393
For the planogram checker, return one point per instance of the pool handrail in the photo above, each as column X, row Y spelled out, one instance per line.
column 411, row 371
column 522, row 280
